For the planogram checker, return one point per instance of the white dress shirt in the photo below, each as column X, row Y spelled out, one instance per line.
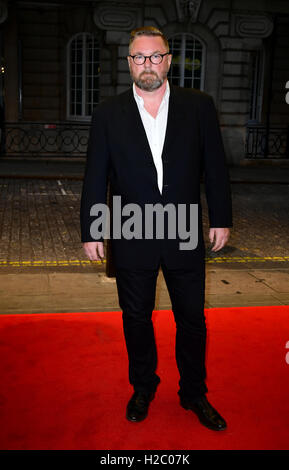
column 155, row 129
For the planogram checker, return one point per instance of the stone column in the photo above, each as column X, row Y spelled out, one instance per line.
column 11, row 66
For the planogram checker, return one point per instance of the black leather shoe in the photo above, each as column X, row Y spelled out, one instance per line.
column 207, row 415
column 138, row 405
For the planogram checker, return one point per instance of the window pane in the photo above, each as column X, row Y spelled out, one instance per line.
column 186, row 68
column 92, row 73
column 78, row 109
column 83, row 69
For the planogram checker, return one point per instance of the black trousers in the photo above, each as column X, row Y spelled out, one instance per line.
column 136, row 291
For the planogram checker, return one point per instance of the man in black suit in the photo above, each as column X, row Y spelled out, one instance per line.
column 153, row 143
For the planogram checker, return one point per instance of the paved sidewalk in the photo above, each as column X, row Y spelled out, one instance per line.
column 41, row 168
column 43, row 267
column 91, row 292
column 40, row 228
column 252, row 171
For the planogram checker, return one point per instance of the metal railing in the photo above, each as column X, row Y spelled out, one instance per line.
column 71, row 139
column 43, row 139
column 267, row 143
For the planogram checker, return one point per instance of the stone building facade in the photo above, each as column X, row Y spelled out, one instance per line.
column 60, row 58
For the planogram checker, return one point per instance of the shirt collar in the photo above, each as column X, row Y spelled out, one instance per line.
column 140, row 99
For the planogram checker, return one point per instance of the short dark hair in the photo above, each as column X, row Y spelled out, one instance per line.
column 147, row 31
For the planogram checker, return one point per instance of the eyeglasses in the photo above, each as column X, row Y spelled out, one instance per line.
column 154, row 58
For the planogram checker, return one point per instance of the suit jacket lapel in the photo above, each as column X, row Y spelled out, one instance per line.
column 137, row 135
column 175, row 118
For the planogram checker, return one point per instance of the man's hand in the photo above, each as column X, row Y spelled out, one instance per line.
column 94, row 250
column 220, row 236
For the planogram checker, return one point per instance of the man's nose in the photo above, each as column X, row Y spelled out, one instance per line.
column 147, row 59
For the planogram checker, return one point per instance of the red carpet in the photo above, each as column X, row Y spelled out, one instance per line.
column 64, row 383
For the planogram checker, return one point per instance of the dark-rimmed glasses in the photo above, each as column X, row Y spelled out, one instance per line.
column 140, row 59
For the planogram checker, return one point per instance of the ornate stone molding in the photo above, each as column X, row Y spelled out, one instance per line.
column 3, row 11
column 252, row 26
column 116, row 17
column 188, row 10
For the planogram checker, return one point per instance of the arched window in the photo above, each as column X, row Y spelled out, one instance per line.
column 187, row 68
column 83, row 69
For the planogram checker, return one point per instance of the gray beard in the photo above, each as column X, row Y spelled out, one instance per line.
column 149, row 84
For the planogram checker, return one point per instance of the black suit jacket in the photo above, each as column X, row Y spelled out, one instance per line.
column 119, row 153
